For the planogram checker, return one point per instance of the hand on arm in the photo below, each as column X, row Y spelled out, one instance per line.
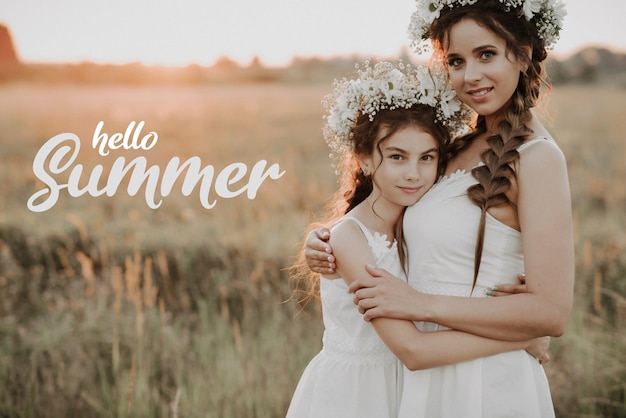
column 509, row 289
column 318, row 253
column 538, row 348
column 380, row 294
column 417, row 350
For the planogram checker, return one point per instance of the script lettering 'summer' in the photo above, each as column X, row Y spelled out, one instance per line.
column 58, row 156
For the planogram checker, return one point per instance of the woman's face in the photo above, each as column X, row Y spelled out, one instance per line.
column 483, row 75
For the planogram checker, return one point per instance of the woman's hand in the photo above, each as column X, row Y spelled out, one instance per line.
column 538, row 348
column 384, row 295
column 318, row 253
column 509, row 289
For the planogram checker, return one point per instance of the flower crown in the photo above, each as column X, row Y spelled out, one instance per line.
column 547, row 15
column 389, row 86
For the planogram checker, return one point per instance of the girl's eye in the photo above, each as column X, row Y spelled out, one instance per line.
column 428, row 157
column 487, row 55
column 455, row 62
column 395, row 157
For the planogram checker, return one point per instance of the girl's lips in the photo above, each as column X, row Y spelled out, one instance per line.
column 410, row 190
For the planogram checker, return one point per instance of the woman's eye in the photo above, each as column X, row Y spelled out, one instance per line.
column 455, row 62
column 487, row 55
column 395, row 157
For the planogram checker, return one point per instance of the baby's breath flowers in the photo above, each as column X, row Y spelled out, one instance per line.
column 389, row 85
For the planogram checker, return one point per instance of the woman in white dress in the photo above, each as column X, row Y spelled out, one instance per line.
column 503, row 206
column 386, row 125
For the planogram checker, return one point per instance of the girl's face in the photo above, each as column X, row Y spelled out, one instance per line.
column 483, row 75
column 405, row 168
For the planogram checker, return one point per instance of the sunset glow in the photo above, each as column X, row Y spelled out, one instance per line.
column 199, row 31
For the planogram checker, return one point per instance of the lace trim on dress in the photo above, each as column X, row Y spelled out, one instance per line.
column 378, row 242
column 381, row 245
column 372, row 352
column 453, row 176
column 436, row 287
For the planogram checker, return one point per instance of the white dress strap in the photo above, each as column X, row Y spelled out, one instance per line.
column 366, row 231
column 532, row 142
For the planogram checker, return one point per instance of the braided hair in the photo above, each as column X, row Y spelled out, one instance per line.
column 500, row 160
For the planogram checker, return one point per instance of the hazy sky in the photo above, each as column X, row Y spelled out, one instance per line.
column 180, row 32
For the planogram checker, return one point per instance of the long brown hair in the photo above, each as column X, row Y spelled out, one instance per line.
column 355, row 186
column 501, row 158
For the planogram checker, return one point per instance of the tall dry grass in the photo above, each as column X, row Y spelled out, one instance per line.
column 108, row 308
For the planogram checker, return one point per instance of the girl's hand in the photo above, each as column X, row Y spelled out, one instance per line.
column 318, row 253
column 538, row 348
column 509, row 289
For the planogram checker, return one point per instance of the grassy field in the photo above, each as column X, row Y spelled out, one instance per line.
column 109, row 308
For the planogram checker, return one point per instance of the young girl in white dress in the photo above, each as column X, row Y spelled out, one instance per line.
column 387, row 125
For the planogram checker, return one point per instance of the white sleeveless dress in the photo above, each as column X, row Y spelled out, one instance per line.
column 440, row 232
column 355, row 375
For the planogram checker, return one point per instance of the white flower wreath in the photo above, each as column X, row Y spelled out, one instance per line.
column 389, row 86
column 547, row 15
